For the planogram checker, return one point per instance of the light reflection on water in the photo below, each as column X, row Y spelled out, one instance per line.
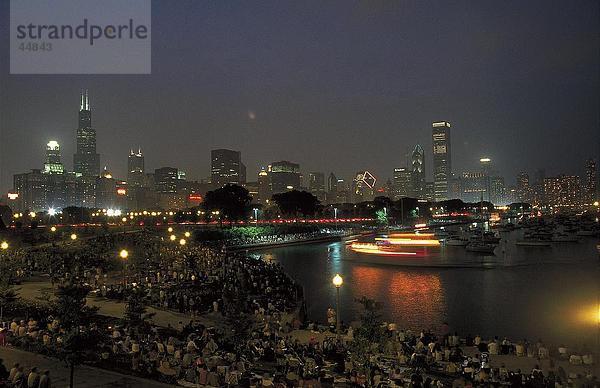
column 554, row 302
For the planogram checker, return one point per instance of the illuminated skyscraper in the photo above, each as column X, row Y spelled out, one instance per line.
column 523, row 189
column 562, row 191
column 418, row 173
column 590, row 194
column 284, row 176
column 53, row 164
column 86, row 161
column 316, row 185
column 442, row 159
column 401, row 184
column 227, row 168
column 135, row 169
column 264, row 187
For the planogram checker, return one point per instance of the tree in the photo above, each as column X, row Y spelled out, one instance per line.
column 370, row 337
column 231, row 201
column 294, row 202
column 79, row 342
column 136, row 316
column 381, row 217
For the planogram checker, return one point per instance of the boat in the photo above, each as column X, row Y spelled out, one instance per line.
column 533, row 243
column 559, row 238
column 586, row 232
column 456, row 242
column 480, row 247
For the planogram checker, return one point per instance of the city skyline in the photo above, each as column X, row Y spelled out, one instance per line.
column 123, row 165
column 275, row 92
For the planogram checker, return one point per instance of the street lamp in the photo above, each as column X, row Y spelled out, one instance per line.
column 337, row 282
column 4, row 245
column 182, row 242
column 173, row 237
column 73, row 237
column 170, row 230
column 53, row 229
column 335, row 211
column 187, row 234
column 124, row 254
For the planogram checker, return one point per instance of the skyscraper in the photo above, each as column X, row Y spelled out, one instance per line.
column 53, row 164
column 284, row 176
column 401, row 186
column 165, row 180
column 590, row 194
column 316, row 184
column 442, row 159
column 86, row 161
column 227, row 168
column 418, row 173
column 264, row 187
column 562, row 191
column 523, row 189
column 135, row 168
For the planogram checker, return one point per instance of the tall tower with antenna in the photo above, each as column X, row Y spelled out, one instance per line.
column 86, row 161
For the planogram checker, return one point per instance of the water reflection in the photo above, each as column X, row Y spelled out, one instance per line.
column 419, row 296
column 554, row 302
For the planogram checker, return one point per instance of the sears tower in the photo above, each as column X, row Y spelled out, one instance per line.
column 86, row 161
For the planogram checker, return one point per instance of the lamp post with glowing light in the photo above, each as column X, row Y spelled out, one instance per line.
column 337, row 282
column 124, row 254
column 73, row 236
column 335, row 211
column 4, row 245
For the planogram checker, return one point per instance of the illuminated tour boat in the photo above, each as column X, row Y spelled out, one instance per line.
column 398, row 244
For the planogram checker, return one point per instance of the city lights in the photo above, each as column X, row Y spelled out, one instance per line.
column 73, row 237
column 4, row 245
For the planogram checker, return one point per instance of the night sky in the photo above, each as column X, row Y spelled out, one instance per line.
column 333, row 85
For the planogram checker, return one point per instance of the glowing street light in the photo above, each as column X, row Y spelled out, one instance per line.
column 73, row 237
column 173, row 237
column 4, row 245
column 170, row 230
column 124, row 254
column 337, row 282
column 182, row 242
column 52, row 212
column 32, row 214
column 187, row 234
column 53, row 229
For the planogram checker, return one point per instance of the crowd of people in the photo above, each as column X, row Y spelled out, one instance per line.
column 271, row 350
column 18, row 377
